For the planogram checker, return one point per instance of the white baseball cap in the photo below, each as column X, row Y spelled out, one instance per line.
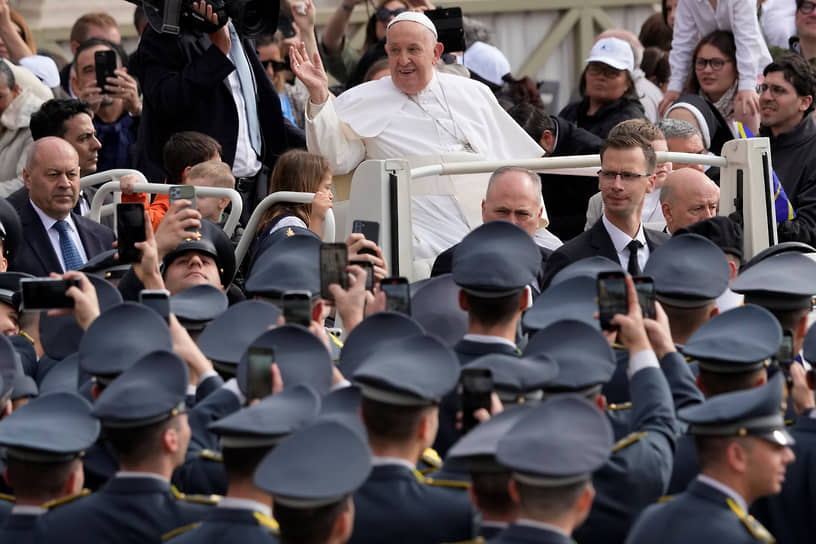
column 613, row 52
column 487, row 62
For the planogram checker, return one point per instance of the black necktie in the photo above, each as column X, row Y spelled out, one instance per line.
column 633, row 248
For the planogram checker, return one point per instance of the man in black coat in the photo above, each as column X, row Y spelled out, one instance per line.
column 196, row 81
column 57, row 239
column 626, row 176
column 786, row 102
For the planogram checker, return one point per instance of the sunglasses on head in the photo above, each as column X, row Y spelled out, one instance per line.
column 384, row 15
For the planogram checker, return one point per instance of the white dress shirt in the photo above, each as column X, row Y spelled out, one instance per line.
column 697, row 18
column 620, row 240
column 53, row 234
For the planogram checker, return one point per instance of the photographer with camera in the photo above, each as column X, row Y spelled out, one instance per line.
column 209, row 79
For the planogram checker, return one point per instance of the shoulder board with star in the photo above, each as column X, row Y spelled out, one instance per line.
column 628, row 440
column 181, row 530
column 65, row 500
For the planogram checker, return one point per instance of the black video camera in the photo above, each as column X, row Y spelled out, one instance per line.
column 250, row 17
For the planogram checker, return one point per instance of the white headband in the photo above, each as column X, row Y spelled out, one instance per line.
column 416, row 17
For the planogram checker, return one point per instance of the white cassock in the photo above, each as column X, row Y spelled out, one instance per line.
column 451, row 115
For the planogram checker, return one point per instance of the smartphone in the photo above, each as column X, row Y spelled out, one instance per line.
column 612, row 297
column 259, row 377
column 183, row 192
column 105, row 64
column 370, row 230
column 130, row 228
column 475, row 388
column 449, row 27
column 157, row 300
column 333, row 261
column 644, row 285
column 47, row 293
column 397, row 295
column 297, row 307
column 285, row 26
column 785, row 356
column 369, row 269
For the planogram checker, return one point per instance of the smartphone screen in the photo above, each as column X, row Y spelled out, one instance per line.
column 369, row 269
column 333, row 261
column 157, row 300
column 105, row 64
column 644, row 285
column 449, row 27
column 130, row 228
column 46, row 293
column 297, row 307
column 259, row 376
column 612, row 297
column 475, row 388
column 370, row 230
column 397, row 295
column 183, row 192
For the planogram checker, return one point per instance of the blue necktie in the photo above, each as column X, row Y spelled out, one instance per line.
column 247, row 88
column 70, row 253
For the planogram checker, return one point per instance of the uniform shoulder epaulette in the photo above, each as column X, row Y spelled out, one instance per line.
column 620, row 406
column 666, row 498
column 789, row 422
column 754, row 527
column 7, row 498
column 211, row 455
column 628, row 440
column 200, row 499
column 266, row 521
column 619, row 347
column 65, row 500
column 453, row 484
column 431, row 458
column 180, row 530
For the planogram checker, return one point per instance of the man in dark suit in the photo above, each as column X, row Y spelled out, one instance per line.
column 197, row 81
column 513, row 194
column 57, row 239
column 626, row 176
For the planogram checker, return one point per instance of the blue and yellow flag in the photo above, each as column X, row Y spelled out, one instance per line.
column 784, row 209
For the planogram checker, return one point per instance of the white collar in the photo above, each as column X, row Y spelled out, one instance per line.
column 432, row 88
column 540, row 525
column 619, row 238
column 245, row 504
column 24, row 510
column 719, row 486
column 488, row 339
column 49, row 221
column 378, row 461
column 501, row 524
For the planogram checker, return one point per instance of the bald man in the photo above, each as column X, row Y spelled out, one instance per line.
column 513, row 194
column 57, row 240
column 688, row 196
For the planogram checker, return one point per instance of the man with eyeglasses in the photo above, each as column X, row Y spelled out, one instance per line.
column 786, row 101
column 804, row 42
column 625, row 178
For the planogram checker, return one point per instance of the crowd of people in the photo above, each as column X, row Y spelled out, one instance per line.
column 190, row 396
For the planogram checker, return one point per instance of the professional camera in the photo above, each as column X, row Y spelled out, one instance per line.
column 251, row 18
